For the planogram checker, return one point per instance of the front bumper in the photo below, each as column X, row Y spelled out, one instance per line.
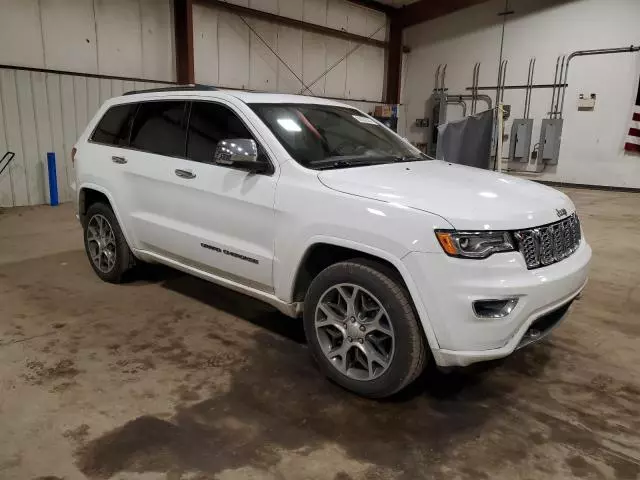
column 447, row 287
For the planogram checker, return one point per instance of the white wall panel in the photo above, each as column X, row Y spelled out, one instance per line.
column 375, row 22
column 336, row 79
column 357, row 21
column 270, row 6
column 315, row 11
column 338, row 14
column 93, row 96
column 233, row 53
column 263, row 70
column 290, row 50
column 20, row 29
column 132, row 38
column 33, row 164
column 13, row 135
column 291, row 8
column 205, row 44
column 158, row 59
column 314, row 60
column 119, row 37
column 6, row 191
column 357, row 78
column 69, row 35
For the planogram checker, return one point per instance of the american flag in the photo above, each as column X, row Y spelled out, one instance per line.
column 632, row 143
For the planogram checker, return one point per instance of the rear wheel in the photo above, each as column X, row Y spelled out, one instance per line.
column 362, row 329
column 105, row 244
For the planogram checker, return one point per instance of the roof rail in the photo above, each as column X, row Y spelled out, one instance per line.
column 177, row 88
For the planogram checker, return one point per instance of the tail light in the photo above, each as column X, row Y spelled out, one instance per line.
column 73, row 155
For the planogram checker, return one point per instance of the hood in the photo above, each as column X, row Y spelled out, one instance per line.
column 469, row 198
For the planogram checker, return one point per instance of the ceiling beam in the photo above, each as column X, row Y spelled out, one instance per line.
column 426, row 10
column 374, row 5
column 291, row 22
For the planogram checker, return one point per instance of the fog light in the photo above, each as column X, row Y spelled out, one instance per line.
column 494, row 308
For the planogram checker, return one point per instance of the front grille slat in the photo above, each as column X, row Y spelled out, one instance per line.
column 549, row 244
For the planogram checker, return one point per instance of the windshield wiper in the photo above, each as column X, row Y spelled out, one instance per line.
column 329, row 163
column 411, row 158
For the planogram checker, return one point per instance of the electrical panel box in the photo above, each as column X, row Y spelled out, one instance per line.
column 520, row 144
column 550, row 138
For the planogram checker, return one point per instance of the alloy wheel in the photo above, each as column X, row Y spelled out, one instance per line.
column 354, row 331
column 101, row 243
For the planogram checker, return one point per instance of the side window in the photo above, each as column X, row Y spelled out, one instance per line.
column 159, row 127
column 115, row 125
column 209, row 123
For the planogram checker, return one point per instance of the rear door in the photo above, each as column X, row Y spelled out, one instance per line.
column 157, row 145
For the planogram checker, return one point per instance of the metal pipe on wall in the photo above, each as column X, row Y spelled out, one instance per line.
column 462, row 103
column 582, row 53
column 474, row 88
column 555, row 83
column 554, row 109
column 529, row 90
column 485, row 98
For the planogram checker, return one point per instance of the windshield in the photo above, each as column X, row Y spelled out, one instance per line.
column 322, row 137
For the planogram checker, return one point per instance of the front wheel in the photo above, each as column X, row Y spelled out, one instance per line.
column 362, row 329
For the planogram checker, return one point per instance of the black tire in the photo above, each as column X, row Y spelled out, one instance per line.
column 124, row 260
column 410, row 352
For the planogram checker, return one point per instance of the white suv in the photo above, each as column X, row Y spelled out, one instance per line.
column 316, row 208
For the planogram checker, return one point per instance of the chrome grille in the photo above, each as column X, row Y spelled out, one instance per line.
column 549, row 244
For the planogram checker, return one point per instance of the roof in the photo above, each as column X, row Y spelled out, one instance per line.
column 244, row 96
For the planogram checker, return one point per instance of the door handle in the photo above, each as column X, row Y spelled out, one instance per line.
column 185, row 174
column 118, row 160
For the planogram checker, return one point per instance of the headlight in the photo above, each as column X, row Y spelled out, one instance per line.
column 474, row 244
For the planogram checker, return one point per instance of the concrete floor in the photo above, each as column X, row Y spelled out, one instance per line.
column 169, row 377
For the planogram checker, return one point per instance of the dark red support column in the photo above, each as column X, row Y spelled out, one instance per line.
column 183, row 27
column 394, row 61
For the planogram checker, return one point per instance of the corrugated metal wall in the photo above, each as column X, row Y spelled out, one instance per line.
column 228, row 53
column 123, row 38
column 46, row 112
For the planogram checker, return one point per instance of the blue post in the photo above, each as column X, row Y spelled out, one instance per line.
column 53, row 182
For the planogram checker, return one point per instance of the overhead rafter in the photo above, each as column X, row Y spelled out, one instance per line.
column 374, row 5
column 426, row 10
column 291, row 22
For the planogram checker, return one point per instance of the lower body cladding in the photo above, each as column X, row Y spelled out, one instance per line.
column 448, row 287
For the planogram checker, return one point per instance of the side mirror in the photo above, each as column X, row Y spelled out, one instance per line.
column 239, row 153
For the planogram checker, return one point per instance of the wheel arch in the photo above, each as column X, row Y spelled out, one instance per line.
column 89, row 193
column 322, row 253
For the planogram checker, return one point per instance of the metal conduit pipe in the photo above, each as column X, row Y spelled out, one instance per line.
column 555, row 83
column 462, row 103
column 583, row 53
column 554, row 108
column 485, row 98
column 444, row 75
